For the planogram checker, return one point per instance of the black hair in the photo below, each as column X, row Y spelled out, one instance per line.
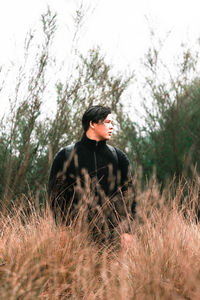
column 95, row 114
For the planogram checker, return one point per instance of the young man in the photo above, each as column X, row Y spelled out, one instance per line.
column 94, row 177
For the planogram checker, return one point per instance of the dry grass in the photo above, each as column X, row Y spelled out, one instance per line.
column 42, row 261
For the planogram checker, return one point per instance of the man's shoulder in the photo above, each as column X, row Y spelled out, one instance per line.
column 64, row 152
column 69, row 148
column 119, row 151
column 122, row 157
column 119, row 155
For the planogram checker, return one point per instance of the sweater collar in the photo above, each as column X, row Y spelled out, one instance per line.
column 92, row 143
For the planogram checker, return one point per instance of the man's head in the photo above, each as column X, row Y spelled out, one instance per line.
column 97, row 122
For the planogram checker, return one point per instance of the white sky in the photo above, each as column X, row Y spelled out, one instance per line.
column 120, row 27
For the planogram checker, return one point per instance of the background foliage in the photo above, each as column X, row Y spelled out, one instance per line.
column 167, row 143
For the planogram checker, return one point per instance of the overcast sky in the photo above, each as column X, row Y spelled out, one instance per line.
column 119, row 27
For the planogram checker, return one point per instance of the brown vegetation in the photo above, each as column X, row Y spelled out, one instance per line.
column 40, row 260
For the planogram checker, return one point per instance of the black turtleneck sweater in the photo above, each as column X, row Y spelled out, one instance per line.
column 106, row 187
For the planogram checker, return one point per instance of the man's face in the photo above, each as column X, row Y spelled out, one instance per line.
column 103, row 129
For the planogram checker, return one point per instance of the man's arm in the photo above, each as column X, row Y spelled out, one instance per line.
column 127, row 187
column 54, row 182
column 129, row 197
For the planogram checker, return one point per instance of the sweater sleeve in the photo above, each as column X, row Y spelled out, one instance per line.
column 127, row 187
column 54, row 182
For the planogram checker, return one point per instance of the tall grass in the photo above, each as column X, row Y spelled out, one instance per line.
column 39, row 260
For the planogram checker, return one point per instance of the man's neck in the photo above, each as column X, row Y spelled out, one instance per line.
column 90, row 135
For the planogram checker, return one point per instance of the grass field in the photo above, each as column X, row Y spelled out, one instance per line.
column 39, row 260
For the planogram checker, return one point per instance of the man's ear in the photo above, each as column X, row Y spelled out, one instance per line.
column 91, row 124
